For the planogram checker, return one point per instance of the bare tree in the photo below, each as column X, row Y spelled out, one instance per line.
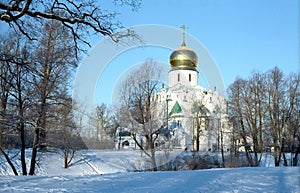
column 52, row 68
column 293, row 127
column 79, row 18
column 5, row 84
column 138, row 109
column 65, row 134
column 103, row 126
column 201, row 116
column 282, row 97
column 264, row 108
column 20, row 93
column 240, row 108
column 16, row 78
column 221, row 115
column 106, row 122
column 39, row 80
column 6, row 79
column 254, row 111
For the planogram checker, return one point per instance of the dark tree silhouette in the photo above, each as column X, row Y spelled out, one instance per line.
column 80, row 17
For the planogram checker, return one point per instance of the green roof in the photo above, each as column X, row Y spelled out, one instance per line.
column 176, row 109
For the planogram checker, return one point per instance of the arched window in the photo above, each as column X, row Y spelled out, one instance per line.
column 190, row 77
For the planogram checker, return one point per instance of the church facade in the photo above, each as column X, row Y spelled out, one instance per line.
column 196, row 116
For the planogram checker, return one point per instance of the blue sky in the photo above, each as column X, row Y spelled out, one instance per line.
column 242, row 36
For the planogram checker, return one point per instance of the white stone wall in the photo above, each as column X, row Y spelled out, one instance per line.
column 183, row 77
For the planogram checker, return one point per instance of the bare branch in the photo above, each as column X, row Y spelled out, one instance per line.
column 79, row 17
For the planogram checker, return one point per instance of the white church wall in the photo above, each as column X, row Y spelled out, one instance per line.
column 183, row 77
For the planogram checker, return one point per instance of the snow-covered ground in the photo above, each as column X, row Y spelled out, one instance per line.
column 111, row 171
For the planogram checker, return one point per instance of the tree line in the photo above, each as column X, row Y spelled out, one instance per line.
column 265, row 112
column 37, row 109
column 38, row 55
column 34, row 83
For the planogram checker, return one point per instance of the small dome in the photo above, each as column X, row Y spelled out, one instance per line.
column 183, row 58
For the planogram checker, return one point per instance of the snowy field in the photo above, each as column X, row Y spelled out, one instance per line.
column 111, row 171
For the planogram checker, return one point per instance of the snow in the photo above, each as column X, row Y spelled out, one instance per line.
column 111, row 171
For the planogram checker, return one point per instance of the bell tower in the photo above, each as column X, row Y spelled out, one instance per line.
column 183, row 61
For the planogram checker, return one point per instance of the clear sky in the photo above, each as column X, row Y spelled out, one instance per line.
column 241, row 36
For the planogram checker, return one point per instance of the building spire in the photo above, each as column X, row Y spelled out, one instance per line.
column 183, row 27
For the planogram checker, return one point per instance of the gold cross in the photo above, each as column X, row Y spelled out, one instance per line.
column 183, row 27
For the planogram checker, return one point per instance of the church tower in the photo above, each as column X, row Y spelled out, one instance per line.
column 194, row 115
column 183, row 61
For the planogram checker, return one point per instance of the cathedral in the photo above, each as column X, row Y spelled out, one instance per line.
column 197, row 117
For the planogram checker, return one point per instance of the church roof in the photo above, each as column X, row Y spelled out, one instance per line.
column 183, row 57
column 176, row 109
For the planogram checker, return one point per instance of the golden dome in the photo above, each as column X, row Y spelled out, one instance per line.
column 183, row 58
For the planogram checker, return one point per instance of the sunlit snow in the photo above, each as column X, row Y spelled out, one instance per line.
column 112, row 171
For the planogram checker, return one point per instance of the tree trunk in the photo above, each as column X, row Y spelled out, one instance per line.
column 23, row 157
column 247, row 150
column 283, row 153
column 22, row 130
column 1, row 134
column 150, row 147
column 41, row 123
column 42, row 129
column 65, row 159
column 277, row 156
column 34, row 150
column 68, row 158
column 153, row 159
column 295, row 158
column 43, row 144
column 222, row 149
column 256, row 161
column 9, row 161
column 198, row 138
